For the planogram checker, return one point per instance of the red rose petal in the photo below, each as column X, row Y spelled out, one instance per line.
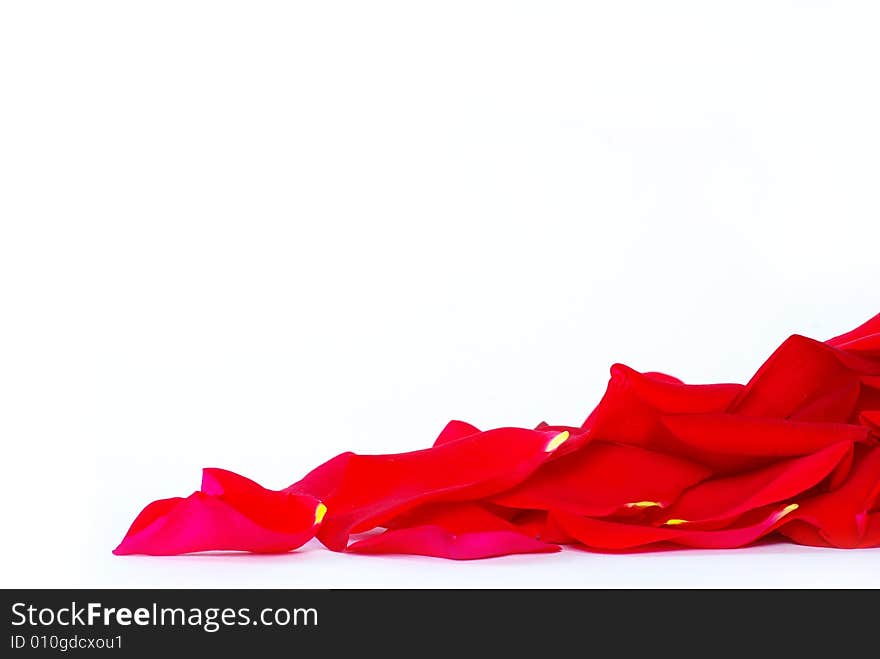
column 203, row 522
column 282, row 511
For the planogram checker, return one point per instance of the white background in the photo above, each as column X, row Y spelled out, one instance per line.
column 255, row 234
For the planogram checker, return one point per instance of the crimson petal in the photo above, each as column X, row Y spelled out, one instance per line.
column 234, row 514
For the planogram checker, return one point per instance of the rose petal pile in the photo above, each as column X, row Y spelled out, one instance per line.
column 795, row 454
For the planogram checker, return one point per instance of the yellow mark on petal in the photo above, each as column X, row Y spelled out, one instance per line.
column 320, row 511
column 789, row 508
column 643, row 504
column 675, row 522
column 557, row 441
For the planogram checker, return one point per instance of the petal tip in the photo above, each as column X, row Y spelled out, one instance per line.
column 643, row 504
column 320, row 511
column 557, row 441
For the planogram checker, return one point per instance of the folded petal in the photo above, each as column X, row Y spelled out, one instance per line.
column 602, row 478
column 235, row 514
column 633, row 403
column 282, row 511
column 671, row 396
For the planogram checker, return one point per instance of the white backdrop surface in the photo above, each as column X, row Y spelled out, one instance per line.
column 252, row 235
